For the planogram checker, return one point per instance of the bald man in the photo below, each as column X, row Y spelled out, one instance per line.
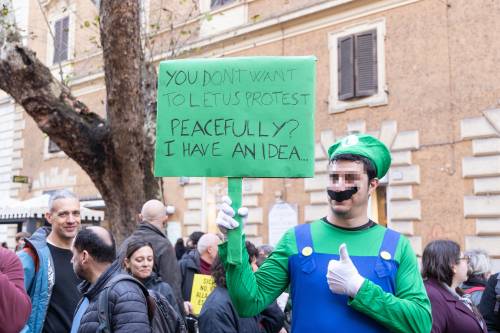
column 93, row 254
column 151, row 229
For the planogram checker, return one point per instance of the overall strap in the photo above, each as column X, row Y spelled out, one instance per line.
column 305, row 248
column 386, row 267
column 390, row 242
column 303, row 236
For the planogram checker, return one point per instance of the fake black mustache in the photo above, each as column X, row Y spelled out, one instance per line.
column 342, row 195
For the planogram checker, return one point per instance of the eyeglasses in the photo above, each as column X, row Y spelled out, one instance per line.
column 65, row 214
column 466, row 258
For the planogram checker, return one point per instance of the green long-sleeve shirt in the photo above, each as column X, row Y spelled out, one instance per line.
column 409, row 310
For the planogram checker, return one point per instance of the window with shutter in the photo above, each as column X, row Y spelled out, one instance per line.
column 357, row 65
column 346, row 67
column 366, row 63
column 61, row 33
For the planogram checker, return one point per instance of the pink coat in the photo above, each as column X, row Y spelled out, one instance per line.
column 15, row 304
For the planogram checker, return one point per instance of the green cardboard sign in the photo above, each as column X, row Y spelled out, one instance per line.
column 236, row 117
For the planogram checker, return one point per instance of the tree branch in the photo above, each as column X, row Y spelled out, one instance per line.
column 51, row 105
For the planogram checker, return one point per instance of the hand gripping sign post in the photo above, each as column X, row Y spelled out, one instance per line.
column 236, row 117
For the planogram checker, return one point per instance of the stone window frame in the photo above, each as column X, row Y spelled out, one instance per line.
column 222, row 18
column 206, row 5
column 381, row 97
column 218, row 5
column 47, row 155
column 66, row 65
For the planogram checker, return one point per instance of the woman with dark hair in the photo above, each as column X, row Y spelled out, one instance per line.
column 180, row 248
column 218, row 313
column 139, row 262
column 444, row 268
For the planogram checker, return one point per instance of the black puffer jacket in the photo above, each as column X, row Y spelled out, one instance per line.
column 487, row 305
column 154, row 282
column 127, row 305
column 165, row 259
column 189, row 266
column 219, row 315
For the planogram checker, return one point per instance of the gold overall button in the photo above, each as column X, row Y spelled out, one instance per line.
column 307, row 251
column 385, row 255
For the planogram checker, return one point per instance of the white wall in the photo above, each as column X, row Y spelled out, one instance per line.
column 21, row 8
column 7, row 130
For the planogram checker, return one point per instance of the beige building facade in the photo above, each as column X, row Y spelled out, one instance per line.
column 421, row 75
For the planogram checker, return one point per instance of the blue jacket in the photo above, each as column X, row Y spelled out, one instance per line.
column 39, row 277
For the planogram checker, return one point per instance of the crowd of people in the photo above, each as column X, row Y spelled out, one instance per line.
column 344, row 272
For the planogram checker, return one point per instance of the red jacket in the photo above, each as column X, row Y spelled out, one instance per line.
column 15, row 304
column 449, row 314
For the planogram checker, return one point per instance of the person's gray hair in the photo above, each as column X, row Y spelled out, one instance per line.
column 479, row 262
column 205, row 241
column 60, row 194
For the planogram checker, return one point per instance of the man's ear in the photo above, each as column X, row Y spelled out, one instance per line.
column 372, row 185
column 85, row 256
column 48, row 216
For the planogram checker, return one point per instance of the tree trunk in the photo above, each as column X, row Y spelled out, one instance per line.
column 115, row 152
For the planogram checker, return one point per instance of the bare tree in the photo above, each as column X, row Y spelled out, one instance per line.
column 116, row 152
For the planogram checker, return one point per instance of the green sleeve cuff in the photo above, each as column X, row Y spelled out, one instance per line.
column 364, row 293
column 223, row 249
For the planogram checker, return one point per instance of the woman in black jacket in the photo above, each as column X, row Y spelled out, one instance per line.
column 139, row 262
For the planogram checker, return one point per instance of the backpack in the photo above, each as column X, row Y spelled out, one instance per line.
column 162, row 316
column 474, row 294
column 496, row 310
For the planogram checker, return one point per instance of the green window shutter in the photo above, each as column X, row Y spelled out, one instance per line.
column 346, row 67
column 366, row 63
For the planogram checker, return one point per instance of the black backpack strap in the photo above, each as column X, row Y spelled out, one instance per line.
column 497, row 295
column 103, row 301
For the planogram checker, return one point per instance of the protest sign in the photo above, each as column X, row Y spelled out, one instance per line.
column 236, row 117
column 202, row 287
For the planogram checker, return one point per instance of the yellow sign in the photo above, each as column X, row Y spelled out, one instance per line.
column 202, row 287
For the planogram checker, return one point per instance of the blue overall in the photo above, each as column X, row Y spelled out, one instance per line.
column 315, row 308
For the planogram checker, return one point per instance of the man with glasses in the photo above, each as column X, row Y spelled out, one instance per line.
column 49, row 278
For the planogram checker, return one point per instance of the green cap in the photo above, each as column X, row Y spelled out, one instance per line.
column 364, row 145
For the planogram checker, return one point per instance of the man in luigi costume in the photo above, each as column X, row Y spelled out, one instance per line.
column 375, row 287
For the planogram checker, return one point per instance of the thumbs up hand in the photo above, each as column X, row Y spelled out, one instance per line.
column 342, row 276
